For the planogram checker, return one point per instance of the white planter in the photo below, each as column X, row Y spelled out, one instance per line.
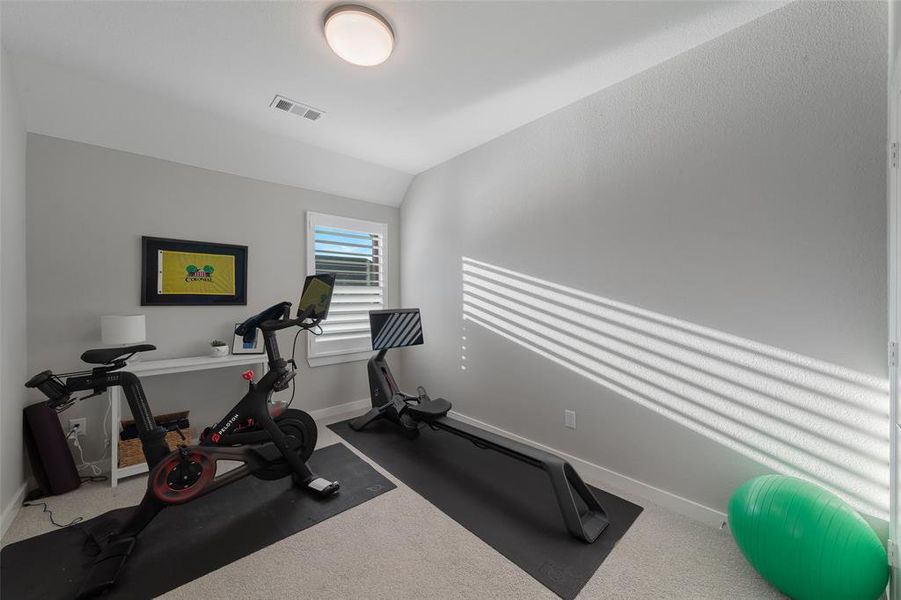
column 219, row 351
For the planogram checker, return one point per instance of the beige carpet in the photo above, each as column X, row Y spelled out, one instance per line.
column 400, row 546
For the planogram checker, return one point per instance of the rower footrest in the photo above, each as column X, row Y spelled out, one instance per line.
column 585, row 518
column 593, row 524
column 586, row 524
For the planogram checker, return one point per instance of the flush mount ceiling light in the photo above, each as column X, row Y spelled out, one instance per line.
column 359, row 35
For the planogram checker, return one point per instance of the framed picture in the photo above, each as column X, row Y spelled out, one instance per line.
column 181, row 272
column 239, row 346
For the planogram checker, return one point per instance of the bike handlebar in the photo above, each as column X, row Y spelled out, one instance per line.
column 279, row 324
column 50, row 385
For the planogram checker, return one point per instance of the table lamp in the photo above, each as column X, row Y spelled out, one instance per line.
column 121, row 330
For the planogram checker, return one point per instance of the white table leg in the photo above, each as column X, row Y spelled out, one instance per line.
column 114, row 397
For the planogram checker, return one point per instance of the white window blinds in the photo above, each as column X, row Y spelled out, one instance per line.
column 354, row 251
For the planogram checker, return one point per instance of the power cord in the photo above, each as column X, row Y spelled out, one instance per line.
column 89, row 539
column 45, row 508
column 93, row 478
column 294, row 362
column 95, row 470
column 107, row 442
column 49, row 512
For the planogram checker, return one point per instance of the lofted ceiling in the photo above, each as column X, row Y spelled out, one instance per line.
column 162, row 78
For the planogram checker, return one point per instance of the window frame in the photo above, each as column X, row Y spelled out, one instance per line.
column 317, row 219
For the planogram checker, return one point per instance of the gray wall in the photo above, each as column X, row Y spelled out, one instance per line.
column 87, row 210
column 894, row 11
column 739, row 186
column 13, row 339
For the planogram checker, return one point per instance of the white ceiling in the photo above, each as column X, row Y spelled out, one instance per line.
column 146, row 76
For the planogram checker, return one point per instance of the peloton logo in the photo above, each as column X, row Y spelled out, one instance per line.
column 225, row 427
column 195, row 274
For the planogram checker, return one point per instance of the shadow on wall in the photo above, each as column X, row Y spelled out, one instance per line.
column 794, row 414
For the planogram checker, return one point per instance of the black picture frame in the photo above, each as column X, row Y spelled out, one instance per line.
column 150, row 295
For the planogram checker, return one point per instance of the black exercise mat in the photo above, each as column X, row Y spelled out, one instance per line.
column 189, row 541
column 508, row 504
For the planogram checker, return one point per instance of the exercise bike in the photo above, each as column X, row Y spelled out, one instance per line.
column 270, row 442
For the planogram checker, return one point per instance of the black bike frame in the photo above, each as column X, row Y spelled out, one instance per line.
column 248, row 433
column 253, row 408
column 263, row 445
column 152, row 435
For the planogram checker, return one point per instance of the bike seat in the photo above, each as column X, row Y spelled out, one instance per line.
column 429, row 410
column 105, row 356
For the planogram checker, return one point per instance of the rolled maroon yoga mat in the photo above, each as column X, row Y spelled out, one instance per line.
column 51, row 460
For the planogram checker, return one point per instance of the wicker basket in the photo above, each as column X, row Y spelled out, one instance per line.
column 131, row 452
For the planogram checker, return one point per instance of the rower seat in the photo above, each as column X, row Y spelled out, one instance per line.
column 429, row 410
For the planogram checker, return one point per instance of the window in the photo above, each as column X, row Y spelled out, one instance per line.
column 355, row 251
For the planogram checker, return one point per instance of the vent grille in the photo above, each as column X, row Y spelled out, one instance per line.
column 296, row 108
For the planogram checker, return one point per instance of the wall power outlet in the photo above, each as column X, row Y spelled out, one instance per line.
column 81, row 423
column 569, row 418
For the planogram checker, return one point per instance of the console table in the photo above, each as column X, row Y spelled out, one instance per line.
column 149, row 368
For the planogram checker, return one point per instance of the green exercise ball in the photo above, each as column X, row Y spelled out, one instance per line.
column 806, row 541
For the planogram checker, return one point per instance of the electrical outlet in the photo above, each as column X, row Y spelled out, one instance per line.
column 81, row 424
column 569, row 418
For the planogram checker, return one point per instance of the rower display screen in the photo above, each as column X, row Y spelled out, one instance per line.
column 397, row 328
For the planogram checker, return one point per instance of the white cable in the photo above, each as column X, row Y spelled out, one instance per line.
column 95, row 470
column 107, row 434
column 73, row 435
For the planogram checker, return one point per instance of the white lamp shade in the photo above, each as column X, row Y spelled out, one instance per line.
column 122, row 329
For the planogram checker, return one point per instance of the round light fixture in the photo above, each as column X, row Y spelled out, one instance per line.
column 359, row 35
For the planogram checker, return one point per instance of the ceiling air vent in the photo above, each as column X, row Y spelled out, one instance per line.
column 296, row 108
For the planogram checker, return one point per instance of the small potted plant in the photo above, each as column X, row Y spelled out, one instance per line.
column 218, row 348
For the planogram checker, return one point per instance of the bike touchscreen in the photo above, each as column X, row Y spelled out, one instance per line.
column 317, row 293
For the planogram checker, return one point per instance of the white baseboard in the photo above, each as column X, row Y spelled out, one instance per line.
column 340, row 411
column 605, row 478
column 12, row 509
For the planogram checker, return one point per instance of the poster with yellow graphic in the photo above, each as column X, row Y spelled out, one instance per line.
column 196, row 273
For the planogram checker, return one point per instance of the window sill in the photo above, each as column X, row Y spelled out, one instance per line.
column 334, row 359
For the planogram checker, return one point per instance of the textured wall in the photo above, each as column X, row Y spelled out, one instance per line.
column 87, row 210
column 739, row 187
column 13, row 307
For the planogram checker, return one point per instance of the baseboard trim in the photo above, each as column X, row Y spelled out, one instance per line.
column 606, row 478
column 12, row 509
column 340, row 411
